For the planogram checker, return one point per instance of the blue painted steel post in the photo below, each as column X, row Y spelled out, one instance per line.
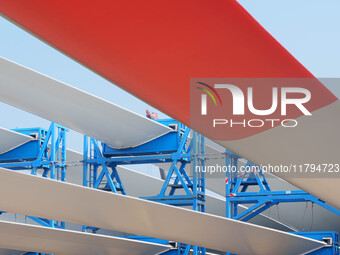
column 52, row 157
column 202, row 181
column 63, row 173
column 195, row 165
column 203, row 167
column 228, row 185
column 94, row 167
column 194, row 190
column 85, row 157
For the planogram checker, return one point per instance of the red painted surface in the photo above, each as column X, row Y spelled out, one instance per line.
column 152, row 48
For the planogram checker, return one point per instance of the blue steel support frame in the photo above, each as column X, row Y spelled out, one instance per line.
column 178, row 179
column 96, row 166
column 91, row 178
column 51, row 159
column 93, row 162
column 331, row 239
column 237, row 184
column 194, row 185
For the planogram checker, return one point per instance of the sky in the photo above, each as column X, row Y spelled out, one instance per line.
column 309, row 29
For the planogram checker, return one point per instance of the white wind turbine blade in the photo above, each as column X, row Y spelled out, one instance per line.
column 10, row 140
column 313, row 141
column 24, row 237
column 73, row 108
column 138, row 184
column 140, row 217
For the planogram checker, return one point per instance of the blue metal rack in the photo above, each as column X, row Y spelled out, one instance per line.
column 93, row 161
column 237, row 184
column 46, row 153
column 331, row 239
column 100, row 169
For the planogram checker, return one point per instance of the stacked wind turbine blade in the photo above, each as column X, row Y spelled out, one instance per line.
column 313, row 142
column 158, row 70
column 16, row 100
column 10, row 140
column 14, row 77
column 74, row 108
column 140, row 217
column 26, row 237
column 138, row 184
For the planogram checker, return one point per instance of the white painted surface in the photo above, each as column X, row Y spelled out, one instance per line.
column 297, row 216
column 301, row 216
column 138, row 185
column 58, row 102
column 132, row 215
column 315, row 140
column 10, row 252
column 10, row 139
column 26, row 237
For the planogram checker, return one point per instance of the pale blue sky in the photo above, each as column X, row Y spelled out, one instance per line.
column 309, row 29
